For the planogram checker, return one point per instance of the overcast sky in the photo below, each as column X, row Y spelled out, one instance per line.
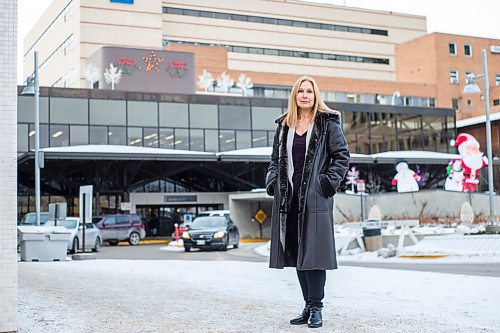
column 479, row 18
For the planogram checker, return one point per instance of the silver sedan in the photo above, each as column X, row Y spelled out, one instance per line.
column 93, row 238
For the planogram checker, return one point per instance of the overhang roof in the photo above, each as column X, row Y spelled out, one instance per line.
column 118, row 152
column 262, row 154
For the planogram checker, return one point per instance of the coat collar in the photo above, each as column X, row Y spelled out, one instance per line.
column 324, row 115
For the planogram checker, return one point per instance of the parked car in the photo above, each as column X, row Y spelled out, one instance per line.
column 209, row 232
column 30, row 218
column 93, row 238
column 120, row 227
column 214, row 213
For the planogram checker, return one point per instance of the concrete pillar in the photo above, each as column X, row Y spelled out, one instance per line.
column 8, row 166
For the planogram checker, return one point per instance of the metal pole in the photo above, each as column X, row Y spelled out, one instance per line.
column 489, row 152
column 37, row 140
column 84, row 220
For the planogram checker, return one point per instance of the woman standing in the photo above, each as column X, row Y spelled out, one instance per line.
column 309, row 160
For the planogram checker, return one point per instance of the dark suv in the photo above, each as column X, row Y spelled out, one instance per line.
column 120, row 227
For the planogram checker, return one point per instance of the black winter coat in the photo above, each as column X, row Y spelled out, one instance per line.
column 325, row 166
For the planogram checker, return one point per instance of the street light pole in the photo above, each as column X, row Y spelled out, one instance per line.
column 37, row 140
column 489, row 150
column 33, row 89
column 470, row 88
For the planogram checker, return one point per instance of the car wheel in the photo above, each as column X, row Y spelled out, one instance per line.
column 236, row 245
column 97, row 246
column 187, row 248
column 113, row 243
column 134, row 238
column 74, row 247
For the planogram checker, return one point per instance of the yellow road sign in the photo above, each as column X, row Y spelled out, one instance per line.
column 260, row 216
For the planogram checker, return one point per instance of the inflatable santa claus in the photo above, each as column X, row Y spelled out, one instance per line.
column 472, row 160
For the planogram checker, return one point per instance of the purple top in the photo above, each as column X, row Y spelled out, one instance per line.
column 298, row 157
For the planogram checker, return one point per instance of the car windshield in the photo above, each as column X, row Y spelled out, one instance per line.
column 208, row 222
column 30, row 218
column 68, row 224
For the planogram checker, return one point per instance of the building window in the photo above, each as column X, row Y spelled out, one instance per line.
column 496, row 102
column 290, row 53
column 469, row 102
column 455, row 105
column 452, row 49
column 497, row 80
column 454, row 77
column 468, row 50
column 274, row 21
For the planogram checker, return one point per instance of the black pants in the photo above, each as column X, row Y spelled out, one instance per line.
column 312, row 284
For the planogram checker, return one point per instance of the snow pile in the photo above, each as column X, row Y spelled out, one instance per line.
column 174, row 246
column 263, row 250
column 457, row 245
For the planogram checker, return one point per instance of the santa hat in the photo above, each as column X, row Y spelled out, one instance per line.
column 463, row 138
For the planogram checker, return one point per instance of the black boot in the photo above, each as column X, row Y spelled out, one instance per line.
column 315, row 319
column 303, row 317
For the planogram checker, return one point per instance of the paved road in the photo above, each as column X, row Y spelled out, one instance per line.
column 154, row 252
column 245, row 253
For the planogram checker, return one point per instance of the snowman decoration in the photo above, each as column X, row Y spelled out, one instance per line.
column 405, row 179
column 455, row 180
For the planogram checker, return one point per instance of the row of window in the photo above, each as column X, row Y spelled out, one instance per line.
column 288, row 53
column 454, row 77
column 367, row 133
column 211, row 140
column 67, row 46
column 453, row 51
column 270, row 20
column 81, row 111
column 62, row 17
column 333, row 96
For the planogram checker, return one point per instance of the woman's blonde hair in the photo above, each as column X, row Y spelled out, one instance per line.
column 293, row 110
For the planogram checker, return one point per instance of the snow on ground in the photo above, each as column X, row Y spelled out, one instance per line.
column 230, row 296
column 373, row 257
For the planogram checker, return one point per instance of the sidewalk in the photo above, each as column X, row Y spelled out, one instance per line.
column 229, row 296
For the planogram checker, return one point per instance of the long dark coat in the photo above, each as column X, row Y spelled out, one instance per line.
column 325, row 166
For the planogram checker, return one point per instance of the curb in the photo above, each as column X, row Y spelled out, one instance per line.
column 254, row 240
column 424, row 256
column 166, row 241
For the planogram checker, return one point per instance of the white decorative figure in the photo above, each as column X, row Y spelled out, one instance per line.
column 92, row 74
column 244, row 83
column 405, row 178
column 455, row 180
column 352, row 177
column 205, row 80
column 112, row 75
column 466, row 213
column 225, row 82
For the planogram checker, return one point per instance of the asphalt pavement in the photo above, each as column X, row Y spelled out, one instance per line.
column 245, row 252
column 156, row 252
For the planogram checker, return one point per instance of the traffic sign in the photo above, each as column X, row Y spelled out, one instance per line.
column 260, row 216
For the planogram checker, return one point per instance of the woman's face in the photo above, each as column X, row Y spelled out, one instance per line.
column 305, row 96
